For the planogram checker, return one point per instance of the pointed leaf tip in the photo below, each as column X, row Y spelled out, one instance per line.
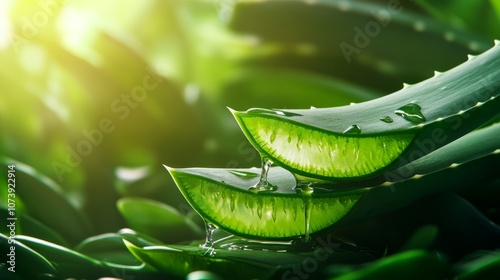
column 170, row 170
column 167, row 167
column 231, row 110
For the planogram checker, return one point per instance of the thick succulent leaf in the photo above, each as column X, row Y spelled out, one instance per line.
column 27, row 225
column 272, row 88
column 179, row 260
column 474, row 145
column 59, row 255
column 422, row 238
column 70, row 263
column 138, row 239
column 480, row 267
column 496, row 6
column 107, row 247
column 27, row 263
column 446, row 169
column 158, row 220
column 46, row 202
column 380, row 39
column 473, row 15
column 362, row 140
column 223, row 196
column 415, row 264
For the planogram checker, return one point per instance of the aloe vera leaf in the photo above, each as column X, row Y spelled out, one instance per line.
column 28, row 263
column 271, row 88
column 422, row 238
column 70, row 263
column 415, row 264
column 476, row 15
column 496, row 7
column 325, row 25
column 446, row 169
column 353, row 142
column 63, row 257
column 179, row 260
column 138, row 239
column 390, row 197
column 222, row 197
column 27, row 225
column 485, row 267
column 107, row 247
column 474, row 145
column 212, row 191
column 158, row 220
column 46, row 202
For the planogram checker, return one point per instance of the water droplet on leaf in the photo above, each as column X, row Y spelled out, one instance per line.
column 353, row 129
column 387, row 119
column 411, row 112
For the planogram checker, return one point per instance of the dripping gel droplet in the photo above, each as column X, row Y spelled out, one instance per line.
column 209, row 230
column 411, row 112
column 263, row 184
column 387, row 119
column 305, row 191
column 353, row 129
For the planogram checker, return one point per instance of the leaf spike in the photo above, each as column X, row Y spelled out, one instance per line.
column 497, row 42
column 470, row 57
column 387, row 184
column 405, row 85
column 170, row 169
column 417, row 176
column 231, row 110
column 437, row 73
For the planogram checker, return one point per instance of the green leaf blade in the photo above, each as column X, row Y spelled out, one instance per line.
column 157, row 219
column 222, row 198
column 440, row 110
column 308, row 151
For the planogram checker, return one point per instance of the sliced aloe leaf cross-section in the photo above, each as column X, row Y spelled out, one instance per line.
column 364, row 140
column 222, row 197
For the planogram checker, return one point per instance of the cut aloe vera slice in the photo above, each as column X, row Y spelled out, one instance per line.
column 223, row 198
column 362, row 140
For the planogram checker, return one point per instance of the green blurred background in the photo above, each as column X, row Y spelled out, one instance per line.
column 97, row 95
